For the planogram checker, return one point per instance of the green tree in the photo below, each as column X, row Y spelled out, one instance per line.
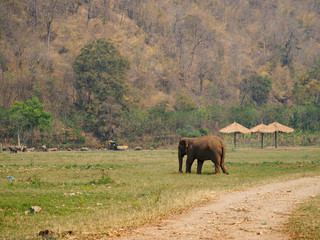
column 272, row 113
column 255, row 88
column 246, row 115
column 27, row 116
column 100, row 73
column 101, row 87
column 306, row 118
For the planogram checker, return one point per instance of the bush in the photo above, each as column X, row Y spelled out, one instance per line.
column 188, row 133
column 184, row 102
column 306, row 118
column 248, row 115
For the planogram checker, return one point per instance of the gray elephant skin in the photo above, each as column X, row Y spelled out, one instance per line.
column 202, row 148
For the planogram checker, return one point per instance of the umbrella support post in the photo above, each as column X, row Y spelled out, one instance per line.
column 275, row 139
column 235, row 140
column 261, row 140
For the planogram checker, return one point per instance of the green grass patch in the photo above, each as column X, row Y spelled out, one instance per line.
column 97, row 191
column 305, row 221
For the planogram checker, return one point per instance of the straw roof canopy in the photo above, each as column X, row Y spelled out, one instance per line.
column 277, row 127
column 235, row 128
column 262, row 128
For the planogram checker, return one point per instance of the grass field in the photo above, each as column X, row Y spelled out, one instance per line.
column 305, row 222
column 101, row 192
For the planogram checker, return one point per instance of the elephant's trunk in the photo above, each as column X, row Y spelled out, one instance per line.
column 180, row 156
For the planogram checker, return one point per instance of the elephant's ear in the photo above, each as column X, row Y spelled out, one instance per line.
column 184, row 143
column 187, row 144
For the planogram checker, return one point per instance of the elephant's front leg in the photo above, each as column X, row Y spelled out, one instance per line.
column 199, row 167
column 189, row 163
column 180, row 162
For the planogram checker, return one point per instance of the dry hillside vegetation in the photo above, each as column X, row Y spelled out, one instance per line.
column 182, row 54
column 204, row 48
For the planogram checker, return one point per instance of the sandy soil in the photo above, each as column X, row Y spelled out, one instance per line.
column 257, row 213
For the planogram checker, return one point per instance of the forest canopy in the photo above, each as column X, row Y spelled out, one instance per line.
column 141, row 70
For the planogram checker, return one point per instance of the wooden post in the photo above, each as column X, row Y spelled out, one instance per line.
column 235, row 140
column 261, row 140
column 275, row 139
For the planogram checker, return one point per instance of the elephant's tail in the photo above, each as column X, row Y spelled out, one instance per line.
column 223, row 155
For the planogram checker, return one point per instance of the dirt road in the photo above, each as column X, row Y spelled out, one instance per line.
column 258, row 213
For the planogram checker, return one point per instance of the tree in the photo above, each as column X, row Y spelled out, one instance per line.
column 100, row 73
column 49, row 15
column 43, row 13
column 256, row 88
column 190, row 37
column 33, row 8
column 27, row 116
column 184, row 103
column 100, row 84
column 107, row 124
column 93, row 11
column 306, row 118
column 307, row 89
column 5, row 126
column 204, row 66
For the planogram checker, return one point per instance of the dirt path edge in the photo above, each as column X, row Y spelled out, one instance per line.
column 257, row 213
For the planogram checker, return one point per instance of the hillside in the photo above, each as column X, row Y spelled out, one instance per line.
column 182, row 55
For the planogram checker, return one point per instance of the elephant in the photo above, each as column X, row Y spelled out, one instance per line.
column 202, row 148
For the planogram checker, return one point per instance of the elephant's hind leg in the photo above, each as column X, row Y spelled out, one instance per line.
column 217, row 168
column 199, row 166
column 216, row 160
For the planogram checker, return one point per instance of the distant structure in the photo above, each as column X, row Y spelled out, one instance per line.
column 235, row 128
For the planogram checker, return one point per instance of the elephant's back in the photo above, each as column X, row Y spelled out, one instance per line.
column 209, row 141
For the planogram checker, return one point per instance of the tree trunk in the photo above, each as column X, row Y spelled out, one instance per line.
column 19, row 137
column 48, row 33
column 19, row 144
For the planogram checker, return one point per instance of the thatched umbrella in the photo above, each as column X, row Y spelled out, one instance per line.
column 279, row 128
column 262, row 128
column 235, row 128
